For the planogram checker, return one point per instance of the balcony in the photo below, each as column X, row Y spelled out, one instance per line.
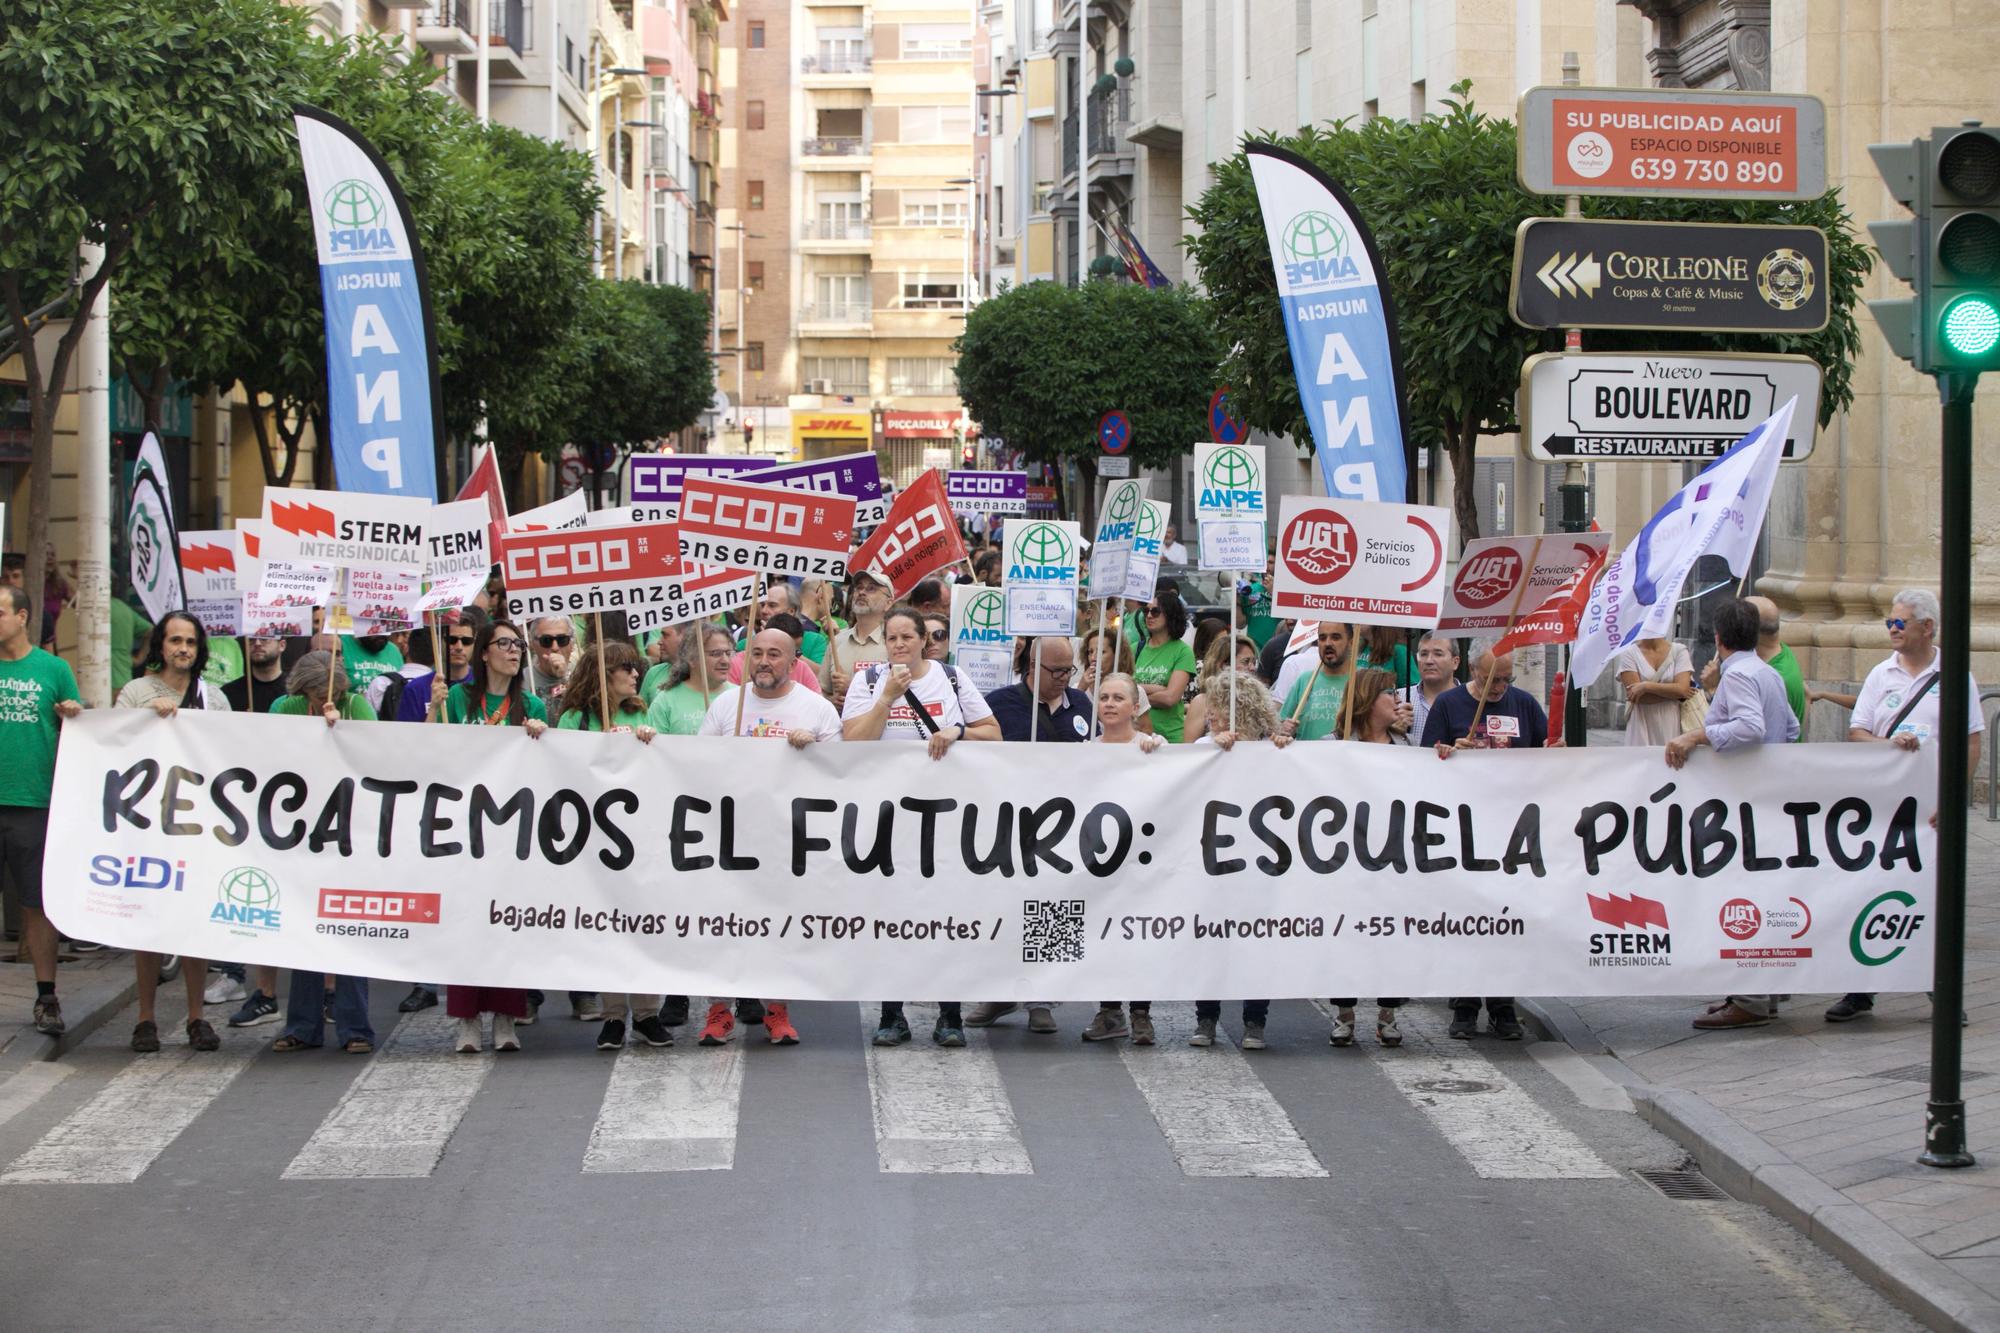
column 822, row 316
column 836, row 237
column 1110, row 151
column 834, row 388
column 506, row 39
column 834, row 69
column 834, row 153
column 445, row 28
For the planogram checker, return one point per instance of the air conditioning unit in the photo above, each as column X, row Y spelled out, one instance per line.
column 819, row 386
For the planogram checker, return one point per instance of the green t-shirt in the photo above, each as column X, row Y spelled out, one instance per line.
column 354, row 708
column 1788, row 671
column 30, row 689
column 1398, row 664
column 225, row 661
column 362, row 665
column 577, row 719
column 1157, row 662
column 455, row 709
column 679, row 711
column 1322, row 716
column 128, row 627
column 655, row 681
column 813, row 648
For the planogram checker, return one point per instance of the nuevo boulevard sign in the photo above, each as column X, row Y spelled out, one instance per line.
column 1714, row 277
column 1672, row 143
column 1681, row 406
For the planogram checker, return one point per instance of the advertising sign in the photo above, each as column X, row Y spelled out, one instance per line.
column 354, row 529
column 769, row 528
column 981, row 647
column 904, row 425
column 1040, row 574
column 1672, row 143
column 1714, row 277
column 653, row 481
column 1117, row 526
column 588, row 569
column 1684, row 406
column 1373, row 564
column 1229, row 481
column 987, row 492
column 814, row 424
column 1489, row 587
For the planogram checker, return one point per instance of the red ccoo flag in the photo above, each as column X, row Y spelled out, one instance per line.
column 1628, row 912
column 1557, row 618
column 919, row 537
column 303, row 520
column 485, row 481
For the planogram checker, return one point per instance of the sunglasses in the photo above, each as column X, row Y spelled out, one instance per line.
column 939, row 635
column 1897, row 622
column 1154, row 611
column 553, row 640
column 461, row 640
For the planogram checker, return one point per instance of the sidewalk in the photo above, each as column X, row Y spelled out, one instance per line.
column 1822, row 1122
column 93, row 987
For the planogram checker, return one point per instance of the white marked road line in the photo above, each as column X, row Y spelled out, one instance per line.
column 398, row 1114
column 1593, row 1087
column 112, row 1138
column 1215, row 1112
column 1502, row 1132
column 670, row 1109
column 941, row 1111
column 29, row 1085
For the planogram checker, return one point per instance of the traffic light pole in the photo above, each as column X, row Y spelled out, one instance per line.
column 1944, row 1117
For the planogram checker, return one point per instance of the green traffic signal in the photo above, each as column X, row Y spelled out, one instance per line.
column 1970, row 326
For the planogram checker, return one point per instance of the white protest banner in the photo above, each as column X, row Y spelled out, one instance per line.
column 701, row 591
column 451, row 592
column 1111, row 548
column 718, row 866
column 768, row 528
column 612, row 515
column 1229, row 482
column 457, row 540
column 557, row 516
column 1360, row 561
column 573, row 570
column 1040, row 575
column 208, row 569
column 1142, row 567
column 1233, row 544
column 353, row 529
column 1487, row 589
column 981, row 647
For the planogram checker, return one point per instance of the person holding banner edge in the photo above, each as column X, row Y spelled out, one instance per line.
column 1256, row 720
column 1116, row 708
column 914, row 699
column 1374, row 718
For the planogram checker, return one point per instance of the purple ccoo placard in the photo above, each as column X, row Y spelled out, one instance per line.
column 653, row 481
column 857, row 476
column 987, row 492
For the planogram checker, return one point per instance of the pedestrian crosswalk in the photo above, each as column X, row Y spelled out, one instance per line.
column 933, row 1111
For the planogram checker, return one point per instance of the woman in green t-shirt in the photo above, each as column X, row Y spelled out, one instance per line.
column 492, row 696
column 1165, row 663
column 701, row 674
column 581, row 709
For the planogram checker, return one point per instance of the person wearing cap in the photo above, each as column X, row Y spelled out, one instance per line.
column 868, row 599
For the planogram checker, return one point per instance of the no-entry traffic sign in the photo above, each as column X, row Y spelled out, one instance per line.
column 1672, row 143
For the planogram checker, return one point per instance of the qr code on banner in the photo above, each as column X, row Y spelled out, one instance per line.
column 1052, row 932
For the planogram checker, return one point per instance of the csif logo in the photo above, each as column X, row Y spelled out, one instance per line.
column 247, row 898
column 1316, row 250
column 1875, row 925
column 137, row 872
column 1232, row 481
column 985, row 618
column 1044, row 553
column 354, row 210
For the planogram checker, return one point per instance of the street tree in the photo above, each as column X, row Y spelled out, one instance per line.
column 1441, row 198
column 128, row 121
column 1040, row 364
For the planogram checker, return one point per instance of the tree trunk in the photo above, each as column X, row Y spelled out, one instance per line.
column 1463, row 436
column 323, row 475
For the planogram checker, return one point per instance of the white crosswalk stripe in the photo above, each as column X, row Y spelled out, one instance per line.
column 941, row 1111
column 400, row 1111
column 1216, row 1114
column 1501, row 1132
column 670, row 1110
column 112, row 1138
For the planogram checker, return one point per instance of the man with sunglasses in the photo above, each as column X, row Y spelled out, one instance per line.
column 549, row 641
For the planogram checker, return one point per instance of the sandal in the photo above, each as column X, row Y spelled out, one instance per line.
column 288, row 1043
column 359, row 1046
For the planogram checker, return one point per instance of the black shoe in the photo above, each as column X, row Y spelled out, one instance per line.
column 420, row 997
column 1849, row 1007
column 750, row 1012
column 145, row 1036
column 651, row 1031
column 1464, row 1022
column 1504, row 1023
column 201, row 1036
column 611, row 1037
column 674, row 1011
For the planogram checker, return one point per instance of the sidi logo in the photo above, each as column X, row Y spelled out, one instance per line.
column 138, row 872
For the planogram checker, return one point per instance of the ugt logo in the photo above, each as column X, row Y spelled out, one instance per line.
column 1315, row 247
column 1319, row 546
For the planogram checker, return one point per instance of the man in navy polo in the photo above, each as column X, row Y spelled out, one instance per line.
column 1064, row 709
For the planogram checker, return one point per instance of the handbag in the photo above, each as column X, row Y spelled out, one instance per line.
column 1694, row 710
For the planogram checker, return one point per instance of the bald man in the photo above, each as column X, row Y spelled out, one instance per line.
column 1774, row 655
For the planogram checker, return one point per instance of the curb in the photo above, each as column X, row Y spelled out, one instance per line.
column 1754, row 1171
column 1556, row 1021
column 86, row 1008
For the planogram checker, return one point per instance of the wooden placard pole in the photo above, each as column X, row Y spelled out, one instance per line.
column 439, row 662
column 743, row 690
column 603, row 676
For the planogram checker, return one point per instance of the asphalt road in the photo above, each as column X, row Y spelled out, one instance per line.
column 1028, row 1182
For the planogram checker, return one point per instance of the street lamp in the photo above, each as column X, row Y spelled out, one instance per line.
column 965, row 184
column 982, row 266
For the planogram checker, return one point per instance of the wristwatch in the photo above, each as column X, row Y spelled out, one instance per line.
column 961, row 731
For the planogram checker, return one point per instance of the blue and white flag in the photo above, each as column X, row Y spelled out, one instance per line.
column 1341, row 324
column 1719, row 513
column 381, row 353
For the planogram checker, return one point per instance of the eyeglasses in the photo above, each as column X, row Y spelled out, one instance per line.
column 506, row 645
column 1060, row 672
column 461, row 640
column 552, row 640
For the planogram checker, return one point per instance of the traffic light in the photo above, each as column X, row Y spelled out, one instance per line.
column 1949, row 251
column 749, row 432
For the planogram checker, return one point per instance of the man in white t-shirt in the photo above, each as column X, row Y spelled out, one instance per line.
column 1883, row 711
column 1171, row 550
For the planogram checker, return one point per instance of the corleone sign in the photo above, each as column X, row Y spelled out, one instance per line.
column 1672, row 143
column 1684, row 406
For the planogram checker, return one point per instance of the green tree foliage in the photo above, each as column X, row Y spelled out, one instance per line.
column 1039, row 365
column 1441, row 197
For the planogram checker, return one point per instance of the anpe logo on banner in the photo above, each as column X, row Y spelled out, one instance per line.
column 1875, row 926
column 1232, row 482
column 1316, row 250
column 367, row 905
column 1318, row 546
column 1486, row 578
column 1640, row 937
column 1124, row 506
column 247, row 898
column 1051, row 551
column 137, row 872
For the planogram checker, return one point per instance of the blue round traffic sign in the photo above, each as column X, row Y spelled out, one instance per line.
column 1114, row 432
column 1223, row 425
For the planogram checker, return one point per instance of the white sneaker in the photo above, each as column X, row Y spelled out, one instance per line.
column 468, row 1042
column 224, row 989
column 1204, row 1032
column 1343, row 1028
column 1386, row 1030
column 503, row 1034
